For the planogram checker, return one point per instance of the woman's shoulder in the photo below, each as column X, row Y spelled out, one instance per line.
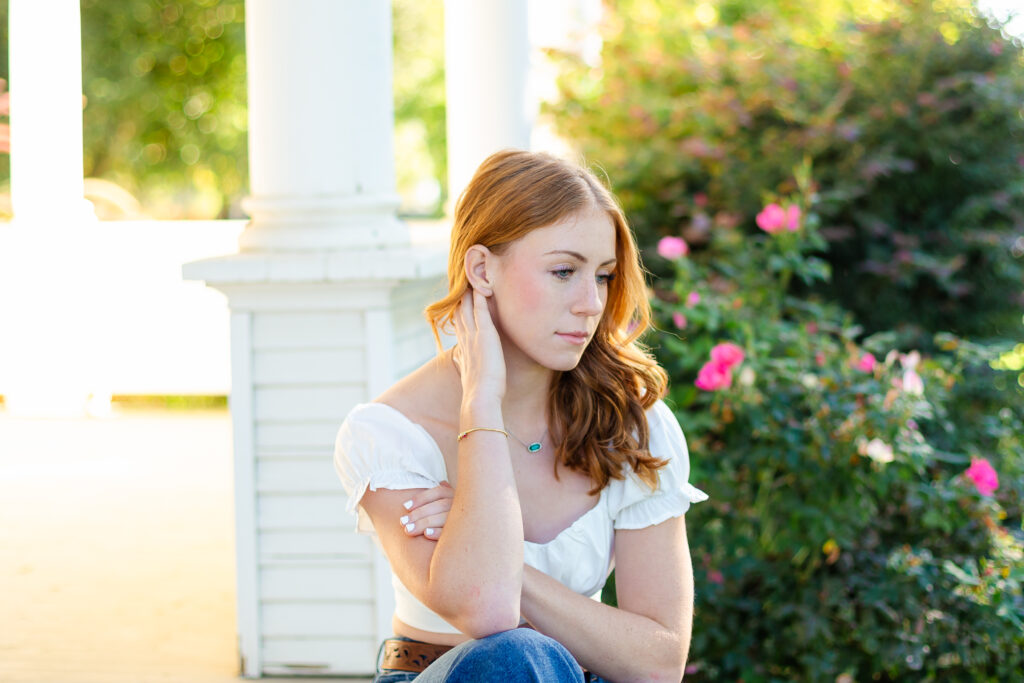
column 414, row 413
column 394, row 430
column 426, row 396
column 661, row 421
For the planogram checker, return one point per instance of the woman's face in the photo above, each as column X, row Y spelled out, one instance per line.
column 551, row 286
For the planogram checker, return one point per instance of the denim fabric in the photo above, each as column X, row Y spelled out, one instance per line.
column 518, row 656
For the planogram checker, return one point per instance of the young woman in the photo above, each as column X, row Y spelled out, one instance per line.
column 505, row 477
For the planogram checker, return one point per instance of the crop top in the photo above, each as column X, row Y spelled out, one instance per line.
column 379, row 447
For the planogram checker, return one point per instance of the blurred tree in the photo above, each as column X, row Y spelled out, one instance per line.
column 166, row 111
column 5, row 161
column 420, row 138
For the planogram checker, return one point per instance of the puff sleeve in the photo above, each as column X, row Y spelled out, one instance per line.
column 377, row 447
column 632, row 504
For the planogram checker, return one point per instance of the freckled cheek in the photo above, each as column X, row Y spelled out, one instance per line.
column 528, row 292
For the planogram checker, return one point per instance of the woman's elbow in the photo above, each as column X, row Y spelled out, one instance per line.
column 483, row 625
column 482, row 615
column 665, row 665
column 487, row 616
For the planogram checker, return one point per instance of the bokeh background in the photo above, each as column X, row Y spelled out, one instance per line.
column 829, row 197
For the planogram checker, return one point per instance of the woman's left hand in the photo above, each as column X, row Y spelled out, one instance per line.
column 428, row 511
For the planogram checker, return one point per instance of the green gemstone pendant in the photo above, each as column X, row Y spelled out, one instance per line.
column 533, row 447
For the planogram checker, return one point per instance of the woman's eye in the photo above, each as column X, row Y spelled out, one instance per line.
column 605, row 278
column 563, row 273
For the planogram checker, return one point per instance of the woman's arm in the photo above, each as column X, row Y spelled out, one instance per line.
column 648, row 636
column 472, row 575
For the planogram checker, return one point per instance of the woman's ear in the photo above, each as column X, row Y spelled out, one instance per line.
column 480, row 264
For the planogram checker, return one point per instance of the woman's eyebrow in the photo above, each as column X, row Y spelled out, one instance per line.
column 577, row 255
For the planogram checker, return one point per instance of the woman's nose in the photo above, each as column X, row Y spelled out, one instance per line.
column 588, row 301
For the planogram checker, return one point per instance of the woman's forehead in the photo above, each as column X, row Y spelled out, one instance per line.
column 590, row 233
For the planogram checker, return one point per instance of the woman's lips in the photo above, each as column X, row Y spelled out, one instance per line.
column 578, row 338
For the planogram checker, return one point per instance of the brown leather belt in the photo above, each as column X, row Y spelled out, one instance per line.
column 410, row 655
column 415, row 656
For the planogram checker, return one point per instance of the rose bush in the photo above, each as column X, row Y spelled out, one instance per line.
column 854, row 532
column 845, row 534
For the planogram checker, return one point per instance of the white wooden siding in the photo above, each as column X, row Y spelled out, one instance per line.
column 314, row 544
column 334, row 580
column 317, row 618
column 308, row 330
column 322, row 593
column 300, row 436
column 323, row 655
column 295, row 474
column 246, row 524
column 305, row 402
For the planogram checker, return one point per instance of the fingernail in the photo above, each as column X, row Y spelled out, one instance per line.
column 429, row 532
column 407, row 505
column 404, row 519
column 410, row 526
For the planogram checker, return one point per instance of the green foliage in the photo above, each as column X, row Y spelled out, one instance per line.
column 909, row 110
column 421, row 152
column 166, row 92
column 842, row 536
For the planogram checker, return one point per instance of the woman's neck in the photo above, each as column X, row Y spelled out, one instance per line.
column 527, row 385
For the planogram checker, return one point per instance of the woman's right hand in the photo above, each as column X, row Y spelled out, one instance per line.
column 478, row 355
column 428, row 511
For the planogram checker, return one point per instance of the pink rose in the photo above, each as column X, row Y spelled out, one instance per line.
column 793, row 218
column 714, row 376
column 983, row 475
column 679, row 320
column 811, row 328
column 673, row 247
column 700, row 199
column 866, row 363
column 771, row 219
column 715, row 576
column 692, row 299
column 727, row 354
column 819, row 358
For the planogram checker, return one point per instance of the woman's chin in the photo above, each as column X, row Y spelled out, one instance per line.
column 563, row 362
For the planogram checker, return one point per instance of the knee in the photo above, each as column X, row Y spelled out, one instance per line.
column 521, row 654
column 522, row 640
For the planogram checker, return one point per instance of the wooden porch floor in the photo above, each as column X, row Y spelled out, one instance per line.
column 116, row 549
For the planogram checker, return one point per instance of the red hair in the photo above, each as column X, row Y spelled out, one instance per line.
column 597, row 408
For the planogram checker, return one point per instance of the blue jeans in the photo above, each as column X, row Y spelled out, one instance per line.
column 518, row 656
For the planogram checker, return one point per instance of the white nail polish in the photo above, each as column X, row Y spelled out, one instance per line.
column 429, row 532
column 407, row 505
column 410, row 526
column 404, row 519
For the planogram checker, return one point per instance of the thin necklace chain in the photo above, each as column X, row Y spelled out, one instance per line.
column 535, row 446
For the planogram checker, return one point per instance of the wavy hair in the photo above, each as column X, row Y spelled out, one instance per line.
column 597, row 408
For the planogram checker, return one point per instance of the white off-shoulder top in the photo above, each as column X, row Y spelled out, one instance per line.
column 379, row 447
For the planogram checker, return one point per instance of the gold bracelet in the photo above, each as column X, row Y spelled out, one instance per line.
column 466, row 433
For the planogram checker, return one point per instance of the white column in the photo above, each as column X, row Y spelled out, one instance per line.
column 326, row 298
column 486, row 65
column 49, row 365
column 46, row 112
column 321, row 158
